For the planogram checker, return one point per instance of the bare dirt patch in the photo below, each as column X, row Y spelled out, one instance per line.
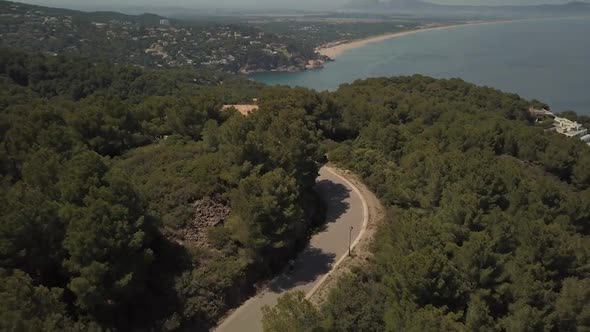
column 244, row 109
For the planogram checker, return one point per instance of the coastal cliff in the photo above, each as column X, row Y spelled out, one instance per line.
column 297, row 65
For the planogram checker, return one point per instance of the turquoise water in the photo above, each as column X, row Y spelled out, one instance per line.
column 544, row 59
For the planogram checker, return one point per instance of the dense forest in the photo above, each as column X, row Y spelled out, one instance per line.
column 487, row 216
column 130, row 202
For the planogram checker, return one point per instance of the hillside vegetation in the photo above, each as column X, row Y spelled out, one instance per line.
column 111, row 177
column 488, row 216
column 130, row 202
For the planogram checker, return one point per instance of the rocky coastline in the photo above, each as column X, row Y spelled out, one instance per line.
column 298, row 66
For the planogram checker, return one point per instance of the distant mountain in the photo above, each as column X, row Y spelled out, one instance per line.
column 423, row 7
column 99, row 16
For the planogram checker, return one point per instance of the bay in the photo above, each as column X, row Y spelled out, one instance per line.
column 548, row 60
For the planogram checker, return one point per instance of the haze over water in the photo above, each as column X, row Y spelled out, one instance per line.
column 548, row 60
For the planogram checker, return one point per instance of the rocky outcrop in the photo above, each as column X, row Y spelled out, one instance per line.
column 314, row 64
column 325, row 58
column 208, row 212
column 248, row 69
column 298, row 64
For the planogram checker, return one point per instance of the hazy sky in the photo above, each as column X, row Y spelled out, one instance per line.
column 250, row 3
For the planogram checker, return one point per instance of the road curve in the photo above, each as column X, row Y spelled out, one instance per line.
column 346, row 207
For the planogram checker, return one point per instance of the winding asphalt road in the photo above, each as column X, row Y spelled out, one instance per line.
column 345, row 208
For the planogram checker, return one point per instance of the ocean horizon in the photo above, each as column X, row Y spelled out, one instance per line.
column 545, row 59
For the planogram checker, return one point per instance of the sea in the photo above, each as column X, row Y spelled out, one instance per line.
column 544, row 59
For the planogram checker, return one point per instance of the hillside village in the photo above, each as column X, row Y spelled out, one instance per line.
column 150, row 40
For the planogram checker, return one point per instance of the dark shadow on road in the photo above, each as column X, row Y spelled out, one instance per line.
column 334, row 196
column 310, row 265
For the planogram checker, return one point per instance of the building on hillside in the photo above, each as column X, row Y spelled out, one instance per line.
column 540, row 113
column 566, row 127
column 569, row 128
column 164, row 22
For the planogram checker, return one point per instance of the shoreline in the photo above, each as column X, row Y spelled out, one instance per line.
column 337, row 50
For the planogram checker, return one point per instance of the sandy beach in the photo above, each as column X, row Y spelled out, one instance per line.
column 336, row 50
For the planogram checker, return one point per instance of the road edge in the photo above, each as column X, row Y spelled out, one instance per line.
column 356, row 241
column 340, row 174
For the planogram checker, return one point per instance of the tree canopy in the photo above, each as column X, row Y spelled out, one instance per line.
column 487, row 221
column 109, row 191
column 128, row 194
